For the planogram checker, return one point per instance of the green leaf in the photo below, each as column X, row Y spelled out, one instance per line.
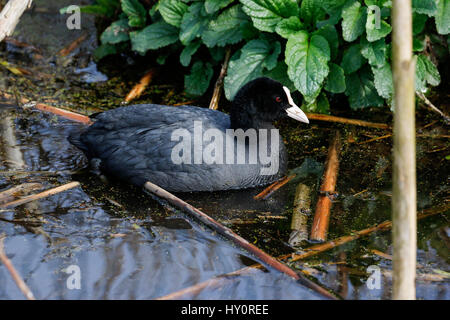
column 427, row 7
column 279, row 73
column 212, row 6
column 383, row 80
column 353, row 21
column 116, row 32
column 194, row 23
column 248, row 65
column 335, row 82
column 188, row 52
column 352, row 59
column 172, row 11
column 289, row 26
column 154, row 36
column 375, row 52
column 376, row 32
column 426, row 72
column 307, row 61
column 197, row 82
column 418, row 22
column 418, row 43
column 442, row 18
column 137, row 15
column 226, row 29
column 329, row 32
column 104, row 50
column 266, row 14
column 319, row 105
column 310, row 10
column 361, row 90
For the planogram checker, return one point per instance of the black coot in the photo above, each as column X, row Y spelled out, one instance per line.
column 189, row 148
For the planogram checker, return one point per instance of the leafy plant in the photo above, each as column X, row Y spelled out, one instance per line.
column 318, row 47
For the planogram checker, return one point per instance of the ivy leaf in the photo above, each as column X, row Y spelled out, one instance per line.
column 172, row 11
column 197, row 82
column 212, row 6
column 376, row 32
column 426, row 72
column 226, row 29
column 442, row 18
column 266, row 14
column 104, row 50
column 307, row 61
column 353, row 21
column 335, row 82
column 418, row 22
column 194, row 22
column 329, row 32
column 361, row 90
column 116, row 32
column 310, row 10
column 319, row 105
column 154, row 36
column 289, row 26
column 279, row 73
column 352, row 59
column 248, row 64
column 137, row 15
column 383, row 80
column 375, row 52
column 427, row 7
column 188, row 52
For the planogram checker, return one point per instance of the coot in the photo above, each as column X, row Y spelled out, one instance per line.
column 189, row 148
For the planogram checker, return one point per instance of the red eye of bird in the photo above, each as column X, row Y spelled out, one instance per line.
column 278, row 99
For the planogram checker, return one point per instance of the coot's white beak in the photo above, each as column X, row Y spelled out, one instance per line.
column 294, row 111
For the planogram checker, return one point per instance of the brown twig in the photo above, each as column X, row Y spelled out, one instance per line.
column 21, row 44
column 13, row 272
column 228, row 233
column 432, row 106
column 314, row 250
column 11, row 193
column 72, row 46
column 64, row 113
column 186, row 103
column 319, row 228
column 41, row 195
column 324, row 117
column 214, row 104
column 140, row 87
column 267, row 192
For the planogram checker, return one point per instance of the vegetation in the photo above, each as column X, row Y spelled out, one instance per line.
column 320, row 48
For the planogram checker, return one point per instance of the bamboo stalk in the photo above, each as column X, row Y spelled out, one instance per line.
column 229, row 234
column 302, row 208
column 311, row 251
column 404, row 154
column 140, row 87
column 41, row 195
column 13, row 272
column 328, row 118
column 214, row 104
column 319, row 227
column 10, row 15
column 267, row 192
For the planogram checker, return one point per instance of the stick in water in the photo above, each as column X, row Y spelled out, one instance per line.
column 14, row 274
column 229, row 234
column 319, row 228
column 41, row 195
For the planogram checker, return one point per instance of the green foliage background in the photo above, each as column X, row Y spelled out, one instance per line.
column 318, row 47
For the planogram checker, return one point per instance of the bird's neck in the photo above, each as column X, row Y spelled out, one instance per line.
column 248, row 117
